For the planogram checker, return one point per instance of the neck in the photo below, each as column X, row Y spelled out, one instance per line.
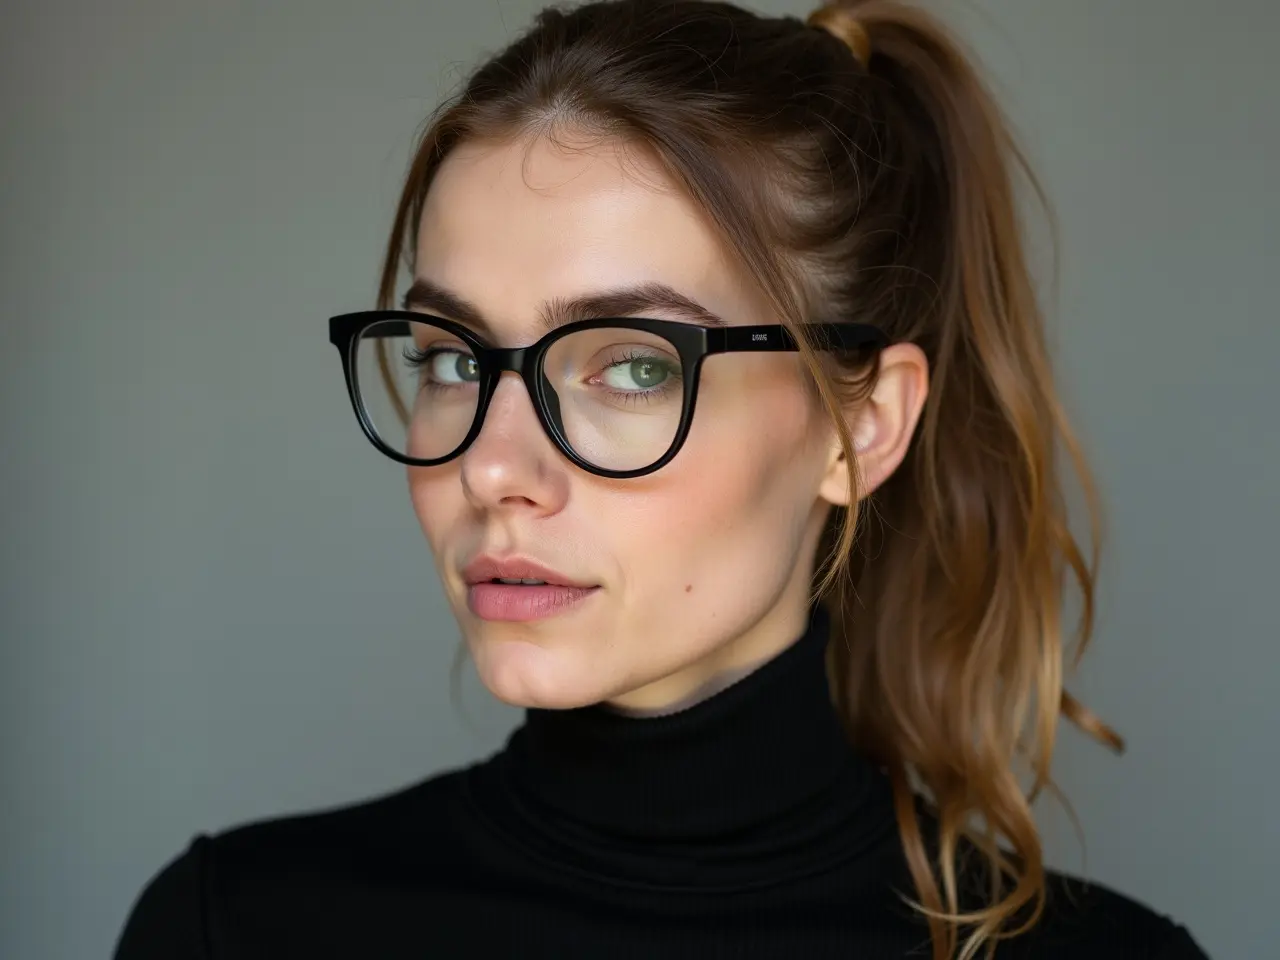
column 722, row 668
column 721, row 681
column 772, row 729
column 752, row 781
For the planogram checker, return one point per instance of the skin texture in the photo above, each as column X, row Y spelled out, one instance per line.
column 704, row 567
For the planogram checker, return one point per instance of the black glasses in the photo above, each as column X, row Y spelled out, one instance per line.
column 616, row 396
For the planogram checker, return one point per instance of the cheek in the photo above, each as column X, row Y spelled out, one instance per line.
column 762, row 440
column 731, row 508
column 438, row 502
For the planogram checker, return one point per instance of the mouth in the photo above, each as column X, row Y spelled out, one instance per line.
column 518, row 589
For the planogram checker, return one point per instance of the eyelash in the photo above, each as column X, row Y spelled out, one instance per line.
column 417, row 358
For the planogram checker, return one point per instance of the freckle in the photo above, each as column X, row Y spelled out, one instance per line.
column 688, row 588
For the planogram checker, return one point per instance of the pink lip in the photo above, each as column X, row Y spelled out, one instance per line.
column 485, row 568
column 489, row 600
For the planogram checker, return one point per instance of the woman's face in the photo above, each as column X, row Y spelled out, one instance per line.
column 695, row 572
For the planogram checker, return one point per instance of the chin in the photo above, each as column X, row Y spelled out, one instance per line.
column 522, row 673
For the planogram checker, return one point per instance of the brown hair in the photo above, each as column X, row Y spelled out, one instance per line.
column 860, row 169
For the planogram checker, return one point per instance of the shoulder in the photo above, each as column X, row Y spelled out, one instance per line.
column 337, row 839
column 284, row 864
column 167, row 920
column 1082, row 918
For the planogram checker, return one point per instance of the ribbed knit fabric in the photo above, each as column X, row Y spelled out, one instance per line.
column 743, row 827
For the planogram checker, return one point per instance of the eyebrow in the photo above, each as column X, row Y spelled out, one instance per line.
column 629, row 301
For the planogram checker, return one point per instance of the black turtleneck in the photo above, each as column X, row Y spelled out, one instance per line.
column 743, row 827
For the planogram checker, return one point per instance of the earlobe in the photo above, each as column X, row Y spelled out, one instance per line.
column 882, row 425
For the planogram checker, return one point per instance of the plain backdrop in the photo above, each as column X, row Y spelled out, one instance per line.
column 215, row 602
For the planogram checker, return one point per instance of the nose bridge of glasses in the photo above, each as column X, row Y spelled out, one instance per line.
column 522, row 362
column 517, row 360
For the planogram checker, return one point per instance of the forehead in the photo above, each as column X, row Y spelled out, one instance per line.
column 514, row 225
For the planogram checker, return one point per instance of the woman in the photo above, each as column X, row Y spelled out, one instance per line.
column 790, row 664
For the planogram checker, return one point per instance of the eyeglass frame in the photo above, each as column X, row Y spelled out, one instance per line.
column 693, row 342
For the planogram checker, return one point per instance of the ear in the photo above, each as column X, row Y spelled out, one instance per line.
column 882, row 425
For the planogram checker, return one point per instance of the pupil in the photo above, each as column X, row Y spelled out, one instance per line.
column 466, row 367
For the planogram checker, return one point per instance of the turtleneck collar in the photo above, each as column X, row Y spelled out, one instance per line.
column 756, row 782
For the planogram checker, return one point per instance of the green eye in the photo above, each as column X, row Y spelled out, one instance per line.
column 638, row 374
column 453, row 366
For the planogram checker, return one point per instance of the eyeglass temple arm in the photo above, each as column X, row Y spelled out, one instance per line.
column 776, row 337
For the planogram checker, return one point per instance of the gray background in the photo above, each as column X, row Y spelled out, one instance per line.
column 215, row 601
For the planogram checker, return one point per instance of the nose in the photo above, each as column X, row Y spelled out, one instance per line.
column 512, row 464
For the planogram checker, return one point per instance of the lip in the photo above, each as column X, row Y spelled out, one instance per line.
column 486, row 568
column 492, row 600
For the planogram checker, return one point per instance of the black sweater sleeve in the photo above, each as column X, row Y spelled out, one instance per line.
column 167, row 921
column 1181, row 946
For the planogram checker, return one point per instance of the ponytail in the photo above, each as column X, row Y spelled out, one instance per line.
column 952, row 600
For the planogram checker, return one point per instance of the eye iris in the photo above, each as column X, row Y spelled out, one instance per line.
column 648, row 372
column 454, row 366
